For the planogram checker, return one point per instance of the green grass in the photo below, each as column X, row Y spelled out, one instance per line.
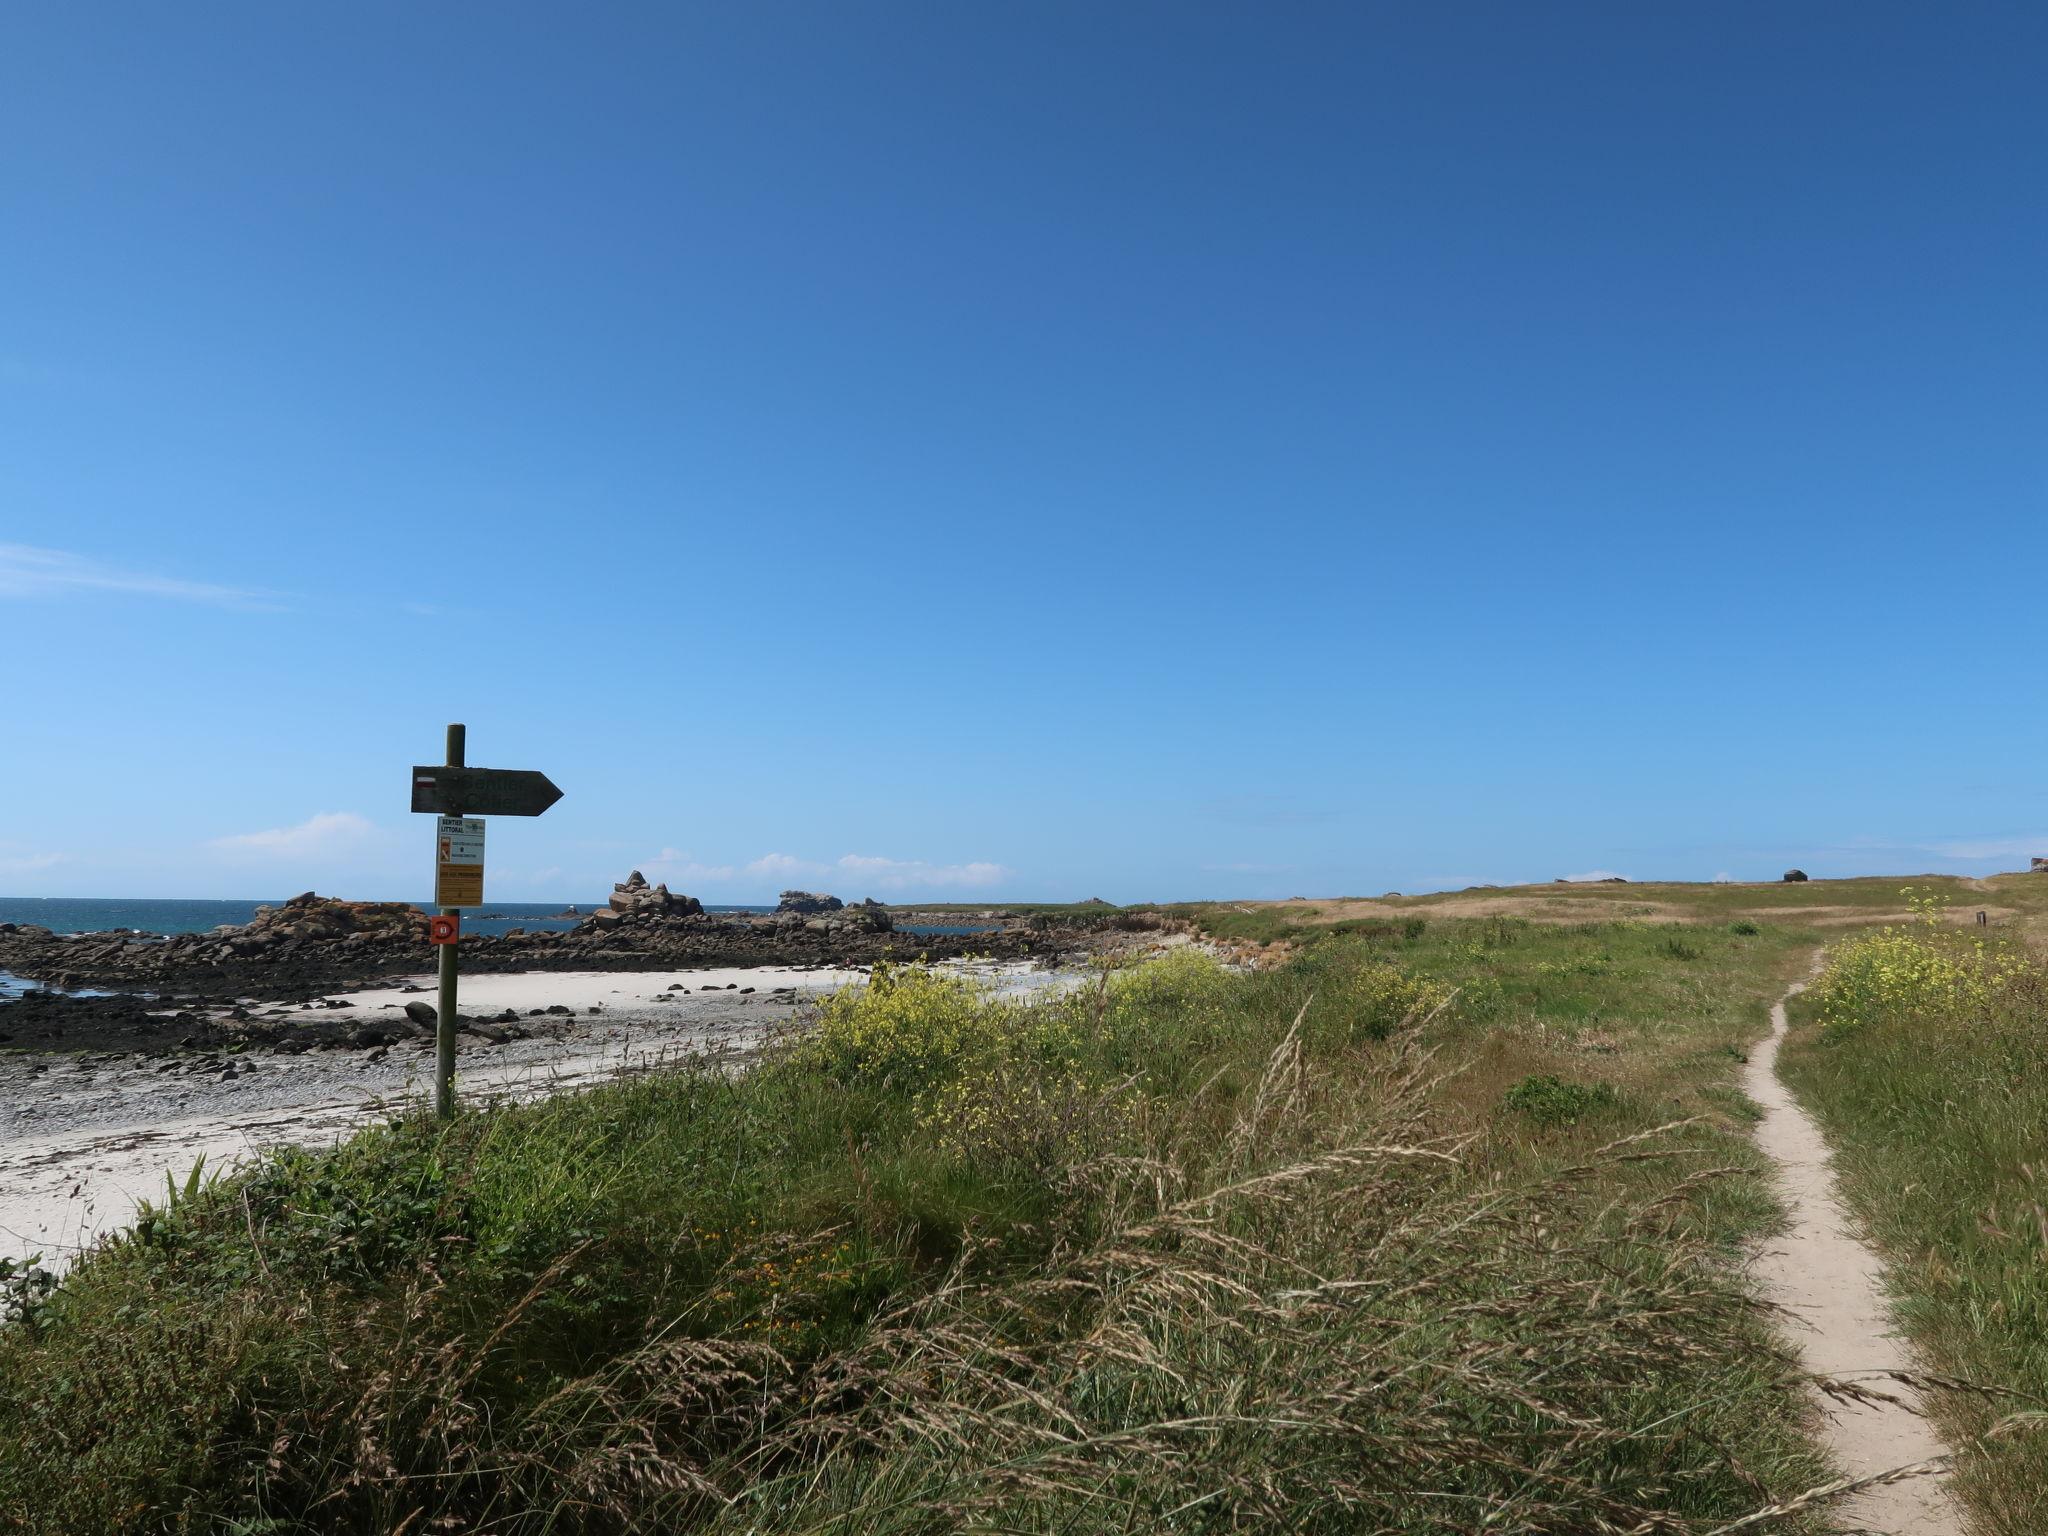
column 1012, row 908
column 1246, row 925
column 2013, row 903
column 1189, row 1250
column 1930, row 1078
column 1706, row 901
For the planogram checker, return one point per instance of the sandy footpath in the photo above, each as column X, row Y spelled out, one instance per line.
column 1832, row 1284
column 84, row 1136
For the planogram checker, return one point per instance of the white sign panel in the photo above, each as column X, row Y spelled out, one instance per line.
column 458, row 861
column 461, row 839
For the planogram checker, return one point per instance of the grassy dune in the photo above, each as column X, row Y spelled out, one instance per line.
column 1397, row 1236
column 2015, row 904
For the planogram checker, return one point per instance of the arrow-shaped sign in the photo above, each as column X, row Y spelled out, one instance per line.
column 441, row 791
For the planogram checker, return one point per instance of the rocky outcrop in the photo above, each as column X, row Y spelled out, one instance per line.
column 1794, row 876
column 802, row 911
column 313, row 945
column 355, row 936
column 313, row 918
column 807, row 905
column 305, row 919
column 634, row 896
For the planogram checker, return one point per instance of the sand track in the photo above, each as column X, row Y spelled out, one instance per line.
column 1832, row 1284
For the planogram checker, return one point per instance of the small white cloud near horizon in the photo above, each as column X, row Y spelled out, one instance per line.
column 27, row 570
column 870, row 871
column 324, row 835
column 1594, row 874
column 1985, row 848
column 903, row 874
column 29, row 863
column 1961, row 850
column 675, row 864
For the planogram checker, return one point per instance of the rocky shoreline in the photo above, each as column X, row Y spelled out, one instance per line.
column 168, row 993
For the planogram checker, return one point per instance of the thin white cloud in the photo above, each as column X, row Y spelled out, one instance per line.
column 866, row 871
column 1985, row 847
column 29, row 571
column 902, row 874
column 1960, row 849
column 672, row 865
column 28, row 863
column 321, row 836
column 781, row 866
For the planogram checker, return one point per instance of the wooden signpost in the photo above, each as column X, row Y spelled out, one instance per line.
column 460, row 796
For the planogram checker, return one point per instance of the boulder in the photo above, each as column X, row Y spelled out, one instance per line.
column 869, row 917
column 1795, row 875
column 633, row 897
column 807, row 903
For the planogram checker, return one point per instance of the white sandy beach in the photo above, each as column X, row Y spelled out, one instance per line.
column 86, row 1136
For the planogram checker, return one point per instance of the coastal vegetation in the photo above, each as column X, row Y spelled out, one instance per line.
column 1923, row 1049
column 1423, row 1229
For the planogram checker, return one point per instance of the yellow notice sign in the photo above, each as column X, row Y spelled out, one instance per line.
column 458, row 861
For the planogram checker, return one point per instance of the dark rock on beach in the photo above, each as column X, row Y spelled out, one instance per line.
column 47, row 1021
column 314, row 944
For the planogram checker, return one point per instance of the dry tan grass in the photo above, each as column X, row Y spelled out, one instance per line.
column 1568, row 904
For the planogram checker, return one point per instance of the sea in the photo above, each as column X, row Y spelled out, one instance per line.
column 73, row 914
column 173, row 916
column 165, row 916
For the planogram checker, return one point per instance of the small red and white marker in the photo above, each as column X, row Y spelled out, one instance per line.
column 444, row 929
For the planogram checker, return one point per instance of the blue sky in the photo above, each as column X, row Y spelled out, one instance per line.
column 1051, row 450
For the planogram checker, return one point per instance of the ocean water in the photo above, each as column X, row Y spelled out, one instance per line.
column 72, row 914
column 12, row 985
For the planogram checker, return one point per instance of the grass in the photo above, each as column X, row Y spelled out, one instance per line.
column 2012, row 903
column 1924, row 1053
column 1011, row 908
column 1189, row 1250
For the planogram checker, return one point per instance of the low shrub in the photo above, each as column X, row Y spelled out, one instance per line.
column 1555, row 1101
column 1923, row 973
column 908, row 1025
column 1007, row 1115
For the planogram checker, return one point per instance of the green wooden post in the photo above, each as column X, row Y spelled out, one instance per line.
column 444, row 1021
